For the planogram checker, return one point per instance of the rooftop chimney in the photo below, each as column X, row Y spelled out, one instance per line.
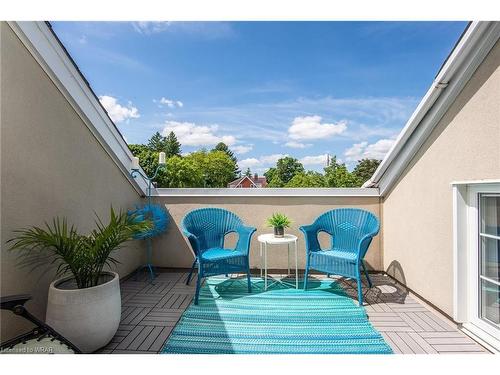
column 256, row 176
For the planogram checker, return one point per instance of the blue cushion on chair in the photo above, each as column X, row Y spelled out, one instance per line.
column 217, row 253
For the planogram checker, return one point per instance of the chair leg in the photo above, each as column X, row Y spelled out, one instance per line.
column 197, row 293
column 366, row 274
column 360, row 290
column 248, row 279
column 191, row 272
column 306, row 274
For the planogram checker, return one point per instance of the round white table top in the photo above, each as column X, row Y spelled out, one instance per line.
column 269, row 238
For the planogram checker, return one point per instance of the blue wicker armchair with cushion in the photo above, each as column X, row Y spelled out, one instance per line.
column 351, row 231
column 206, row 229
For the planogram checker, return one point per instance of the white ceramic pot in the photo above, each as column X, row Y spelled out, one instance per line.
column 88, row 317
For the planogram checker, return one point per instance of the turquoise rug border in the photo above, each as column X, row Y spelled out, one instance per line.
column 281, row 320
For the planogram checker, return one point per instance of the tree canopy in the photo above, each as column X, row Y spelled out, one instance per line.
column 221, row 146
column 157, row 142
column 172, row 145
column 365, row 169
column 306, row 180
column 197, row 169
column 218, row 167
column 288, row 167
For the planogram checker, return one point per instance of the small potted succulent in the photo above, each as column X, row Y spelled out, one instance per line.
column 279, row 222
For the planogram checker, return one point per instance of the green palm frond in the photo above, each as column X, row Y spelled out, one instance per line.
column 83, row 256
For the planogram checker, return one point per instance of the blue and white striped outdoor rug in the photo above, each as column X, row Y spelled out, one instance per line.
column 228, row 319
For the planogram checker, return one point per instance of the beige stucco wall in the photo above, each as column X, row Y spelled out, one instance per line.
column 417, row 213
column 50, row 165
column 172, row 248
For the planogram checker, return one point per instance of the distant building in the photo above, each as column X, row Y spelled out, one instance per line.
column 249, row 182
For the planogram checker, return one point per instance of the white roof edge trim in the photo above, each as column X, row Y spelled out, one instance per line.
column 47, row 51
column 266, row 192
column 475, row 182
column 471, row 50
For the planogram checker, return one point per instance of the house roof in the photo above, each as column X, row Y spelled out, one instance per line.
column 259, row 180
column 470, row 50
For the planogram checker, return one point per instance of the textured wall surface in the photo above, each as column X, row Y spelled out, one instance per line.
column 51, row 165
column 172, row 249
column 417, row 213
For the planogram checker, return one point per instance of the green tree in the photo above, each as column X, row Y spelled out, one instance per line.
column 337, row 175
column 220, row 168
column 137, row 149
column 157, row 142
column 221, row 146
column 182, row 173
column 275, row 182
column 148, row 160
column 288, row 167
column 248, row 173
column 306, row 180
column 172, row 145
column 216, row 167
column 270, row 174
column 365, row 169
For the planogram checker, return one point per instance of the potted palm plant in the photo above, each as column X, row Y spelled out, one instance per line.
column 84, row 302
column 279, row 222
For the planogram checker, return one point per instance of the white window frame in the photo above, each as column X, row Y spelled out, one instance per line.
column 466, row 259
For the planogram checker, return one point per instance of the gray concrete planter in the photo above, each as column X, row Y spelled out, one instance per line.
column 88, row 317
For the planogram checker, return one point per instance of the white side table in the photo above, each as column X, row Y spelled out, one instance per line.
column 269, row 239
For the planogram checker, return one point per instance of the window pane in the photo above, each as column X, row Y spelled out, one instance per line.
column 490, row 302
column 490, row 214
column 490, row 255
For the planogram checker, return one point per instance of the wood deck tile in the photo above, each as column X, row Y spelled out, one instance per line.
column 151, row 310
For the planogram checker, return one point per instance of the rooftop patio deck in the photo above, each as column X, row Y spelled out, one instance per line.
column 151, row 311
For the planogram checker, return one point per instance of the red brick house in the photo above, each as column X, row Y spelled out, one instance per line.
column 248, row 182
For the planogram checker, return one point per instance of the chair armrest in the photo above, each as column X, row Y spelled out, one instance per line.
column 364, row 244
column 193, row 240
column 244, row 236
column 311, row 237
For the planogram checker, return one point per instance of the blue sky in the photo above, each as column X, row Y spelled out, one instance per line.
column 267, row 89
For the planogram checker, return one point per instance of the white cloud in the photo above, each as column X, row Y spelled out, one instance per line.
column 271, row 159
column 263, row 162
column 205, row 30
column 151, row 27
column 242, row 149
column 376, row 150
column 248, row 163
column 116, row 111
column 190, row 134
column 314, row 160
column 310, row 127
column 294, row 144
column 170, row 103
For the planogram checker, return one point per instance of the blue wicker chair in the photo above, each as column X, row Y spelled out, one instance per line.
column 205, row 229
column 351, row 231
